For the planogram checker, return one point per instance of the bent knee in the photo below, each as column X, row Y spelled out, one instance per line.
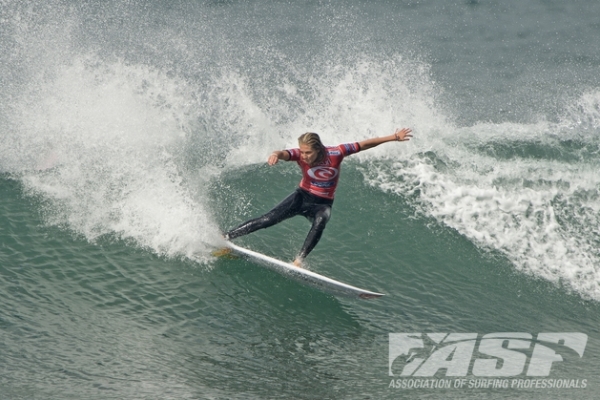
column 322, row 217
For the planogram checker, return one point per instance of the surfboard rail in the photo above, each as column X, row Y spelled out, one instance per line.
column 304, row 275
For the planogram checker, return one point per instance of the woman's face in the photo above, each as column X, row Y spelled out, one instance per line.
column 308, row 154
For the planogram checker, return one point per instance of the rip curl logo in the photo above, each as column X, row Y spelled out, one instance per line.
column 494, row 354
column 323, row 173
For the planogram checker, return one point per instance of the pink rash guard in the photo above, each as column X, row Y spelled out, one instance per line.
column 322, row 179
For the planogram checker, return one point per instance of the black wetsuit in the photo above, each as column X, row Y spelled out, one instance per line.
column 316, row 209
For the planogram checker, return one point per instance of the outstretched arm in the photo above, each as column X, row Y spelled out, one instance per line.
column 401, row 135
column 278, row 155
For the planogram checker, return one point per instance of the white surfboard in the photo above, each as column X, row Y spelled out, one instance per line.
column 305, row 276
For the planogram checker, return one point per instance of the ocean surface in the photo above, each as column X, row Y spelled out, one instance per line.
column 132, row 133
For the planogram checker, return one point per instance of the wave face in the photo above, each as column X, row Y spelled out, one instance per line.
column 122, row 134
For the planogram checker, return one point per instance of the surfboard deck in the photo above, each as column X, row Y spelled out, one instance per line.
column 303, row 275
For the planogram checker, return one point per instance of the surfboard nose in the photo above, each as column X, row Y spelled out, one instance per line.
column 368, row 296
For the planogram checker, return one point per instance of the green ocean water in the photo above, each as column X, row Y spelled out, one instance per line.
column 110, row 320
column 132, row 135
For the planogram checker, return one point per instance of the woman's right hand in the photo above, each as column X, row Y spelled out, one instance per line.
column 273, row 158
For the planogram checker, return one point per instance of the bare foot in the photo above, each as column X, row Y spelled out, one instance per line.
column 224, row 252
column 298, row 263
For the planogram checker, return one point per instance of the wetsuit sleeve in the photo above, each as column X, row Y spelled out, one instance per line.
column 349, row 148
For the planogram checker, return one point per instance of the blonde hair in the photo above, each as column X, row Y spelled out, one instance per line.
column 314, row 141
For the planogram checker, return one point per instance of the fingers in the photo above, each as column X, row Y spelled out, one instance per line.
column 403, row 134
column 273, row 159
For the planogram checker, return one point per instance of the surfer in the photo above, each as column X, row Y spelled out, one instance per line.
column 313, row 198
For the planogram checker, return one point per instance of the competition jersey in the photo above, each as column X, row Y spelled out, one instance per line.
column 322, row 179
